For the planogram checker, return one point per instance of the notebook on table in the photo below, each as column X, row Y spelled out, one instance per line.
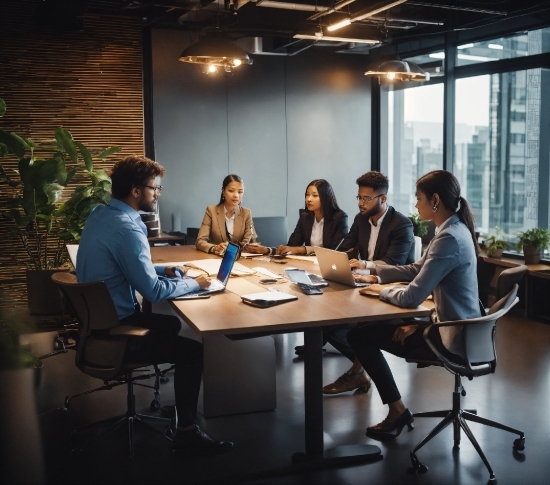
column 218, row 284
column 334, row 266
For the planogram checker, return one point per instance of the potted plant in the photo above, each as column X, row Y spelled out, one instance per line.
column 495, row 244
column 532, row 242
column 420, row 228
column 33, row 207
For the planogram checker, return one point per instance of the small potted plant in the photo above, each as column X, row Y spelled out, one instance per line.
column 420, row 228
column 532, row 242
column 495, row 244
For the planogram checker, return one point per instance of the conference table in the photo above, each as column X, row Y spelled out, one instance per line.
column 226, row 314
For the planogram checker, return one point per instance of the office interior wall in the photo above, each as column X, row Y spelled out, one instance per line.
column 278, row 123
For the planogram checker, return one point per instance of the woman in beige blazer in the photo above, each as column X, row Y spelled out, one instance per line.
column 226, row 221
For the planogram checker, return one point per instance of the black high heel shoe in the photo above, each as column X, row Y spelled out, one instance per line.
column 389, row 430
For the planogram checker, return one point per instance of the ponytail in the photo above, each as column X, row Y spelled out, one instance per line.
column 467, row 218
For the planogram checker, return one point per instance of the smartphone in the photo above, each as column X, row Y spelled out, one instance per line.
column 268, row 281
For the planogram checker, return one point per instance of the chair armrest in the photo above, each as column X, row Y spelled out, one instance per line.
column 129, row 331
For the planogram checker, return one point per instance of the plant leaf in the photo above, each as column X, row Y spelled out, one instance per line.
column 15, row 143
column 109, row 151
column 2, row 107
column 65, row 139
column 86, row 156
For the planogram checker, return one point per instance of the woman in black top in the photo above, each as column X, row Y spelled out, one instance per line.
column 322, row 223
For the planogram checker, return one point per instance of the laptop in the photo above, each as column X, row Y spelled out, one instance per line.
column 218, row 284
column 334, row 266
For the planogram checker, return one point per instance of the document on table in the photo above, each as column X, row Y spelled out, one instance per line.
column 300, row 257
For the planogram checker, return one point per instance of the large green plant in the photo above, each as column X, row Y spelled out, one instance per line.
column 419, row 226
column 39, row 218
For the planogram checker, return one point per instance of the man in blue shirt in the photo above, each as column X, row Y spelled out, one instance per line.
column 114, row 249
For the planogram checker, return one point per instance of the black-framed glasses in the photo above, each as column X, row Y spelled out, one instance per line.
column 366, row 200
column 155, row 188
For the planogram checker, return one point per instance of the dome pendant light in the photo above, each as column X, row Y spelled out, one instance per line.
column 398, row 70
column 215, row 52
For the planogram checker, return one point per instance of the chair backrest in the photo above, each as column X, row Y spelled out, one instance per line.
column 478, row 339
column 271, row 231
column 97, row 354
column 508, row 278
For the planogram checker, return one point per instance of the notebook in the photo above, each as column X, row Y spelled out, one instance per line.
column 218, row 284
column 334, row 266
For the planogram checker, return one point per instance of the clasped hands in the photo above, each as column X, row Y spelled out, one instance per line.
column 280, row 250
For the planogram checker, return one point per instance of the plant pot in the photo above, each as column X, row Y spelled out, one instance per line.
column 495, row 253
column 531, row 254
column 44, row 297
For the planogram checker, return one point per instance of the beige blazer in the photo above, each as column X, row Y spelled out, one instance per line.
column 212, row 231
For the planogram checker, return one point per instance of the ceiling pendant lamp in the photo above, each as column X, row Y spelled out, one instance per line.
column 215, row 52
column 397, row 70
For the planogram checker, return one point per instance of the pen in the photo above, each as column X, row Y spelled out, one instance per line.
column 340, row 243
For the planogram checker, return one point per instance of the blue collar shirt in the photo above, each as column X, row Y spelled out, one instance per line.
column 114, row 249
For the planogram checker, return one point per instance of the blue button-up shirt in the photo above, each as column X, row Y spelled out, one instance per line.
column 114, row 249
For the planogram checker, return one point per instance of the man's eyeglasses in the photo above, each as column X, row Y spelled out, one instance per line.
column 366, row 200
column 156, row 188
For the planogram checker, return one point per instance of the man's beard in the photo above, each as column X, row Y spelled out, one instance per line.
column 145, row 206
column 371, row 212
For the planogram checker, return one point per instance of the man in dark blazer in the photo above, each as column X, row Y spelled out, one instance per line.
column 378, row 233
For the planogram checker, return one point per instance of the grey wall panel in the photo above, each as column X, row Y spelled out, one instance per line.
column 279, row 124
column 328, row 112
column 257, row 135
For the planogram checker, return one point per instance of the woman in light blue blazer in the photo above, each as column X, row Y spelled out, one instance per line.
column 447, row 270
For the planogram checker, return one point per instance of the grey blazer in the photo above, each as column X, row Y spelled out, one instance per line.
column 212, row 230
column 448, row 270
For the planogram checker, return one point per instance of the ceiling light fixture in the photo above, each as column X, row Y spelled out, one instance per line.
column 213, row 52
column 366, row 13
column 398, row 70
column 339, row 25
column 319, row 36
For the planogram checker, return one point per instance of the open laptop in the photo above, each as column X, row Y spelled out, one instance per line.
column 334, row 266
column 218, row 284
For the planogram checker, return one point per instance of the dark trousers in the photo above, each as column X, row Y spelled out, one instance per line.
column 369, row 340
column 163, row 345
column 338, row 338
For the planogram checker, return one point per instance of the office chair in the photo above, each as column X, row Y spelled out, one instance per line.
column 505, row 280
column 480, row 359
column 100, row 352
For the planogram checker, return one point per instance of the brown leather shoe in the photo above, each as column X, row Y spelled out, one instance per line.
column 349, row 382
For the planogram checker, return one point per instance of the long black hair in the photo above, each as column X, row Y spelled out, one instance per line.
column 446, row 185
column 226, row 181
column 329, row 205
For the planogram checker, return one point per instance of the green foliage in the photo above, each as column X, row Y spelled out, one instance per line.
column 496, row 241
column 35, row 210
column 11, row 355
column 419, row 226
column 537, row 236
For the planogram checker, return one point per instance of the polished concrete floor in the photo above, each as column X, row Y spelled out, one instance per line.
column 517, row 395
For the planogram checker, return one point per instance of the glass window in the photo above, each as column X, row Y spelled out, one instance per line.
column 412, row 139
column 498, row 149
column 519, row 45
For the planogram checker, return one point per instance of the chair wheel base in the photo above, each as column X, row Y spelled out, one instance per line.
column 519, row 444
column 417, row 466
column 492, row 480
column 155, row 405
column 164, row 379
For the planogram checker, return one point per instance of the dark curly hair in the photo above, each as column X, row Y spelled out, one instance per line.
column 375, row 180
column 133, row 171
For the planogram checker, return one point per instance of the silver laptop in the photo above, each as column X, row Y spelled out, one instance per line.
column 334, row 266
column 219, row 284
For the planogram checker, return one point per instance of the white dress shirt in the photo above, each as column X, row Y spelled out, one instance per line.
column 229, row 221
column 317, row 233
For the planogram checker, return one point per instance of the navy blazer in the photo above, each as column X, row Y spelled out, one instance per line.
column 334, row 229
column 395, row 243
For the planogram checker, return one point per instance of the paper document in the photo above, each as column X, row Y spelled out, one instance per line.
column 299, row 257
column 244, row 254
column 267, row 298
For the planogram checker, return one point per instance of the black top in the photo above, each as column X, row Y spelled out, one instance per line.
column 334, row 229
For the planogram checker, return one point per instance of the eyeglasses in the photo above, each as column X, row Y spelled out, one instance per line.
column 366, row 200
column 156, row 188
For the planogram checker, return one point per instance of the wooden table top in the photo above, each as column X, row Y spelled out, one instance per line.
column 225, row 313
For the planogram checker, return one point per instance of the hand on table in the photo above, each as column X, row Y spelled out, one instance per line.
column 203, row 281
column 219, row 249
column 290, row 250
column 256, row 249
column 356, row 264
column 372, row 280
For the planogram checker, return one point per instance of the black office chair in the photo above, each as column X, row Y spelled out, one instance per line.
column 270, row 231
column 480, row 359
column 192, row 233
column 100, row 352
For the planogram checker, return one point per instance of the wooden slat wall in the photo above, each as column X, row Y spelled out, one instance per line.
column 89, row 82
